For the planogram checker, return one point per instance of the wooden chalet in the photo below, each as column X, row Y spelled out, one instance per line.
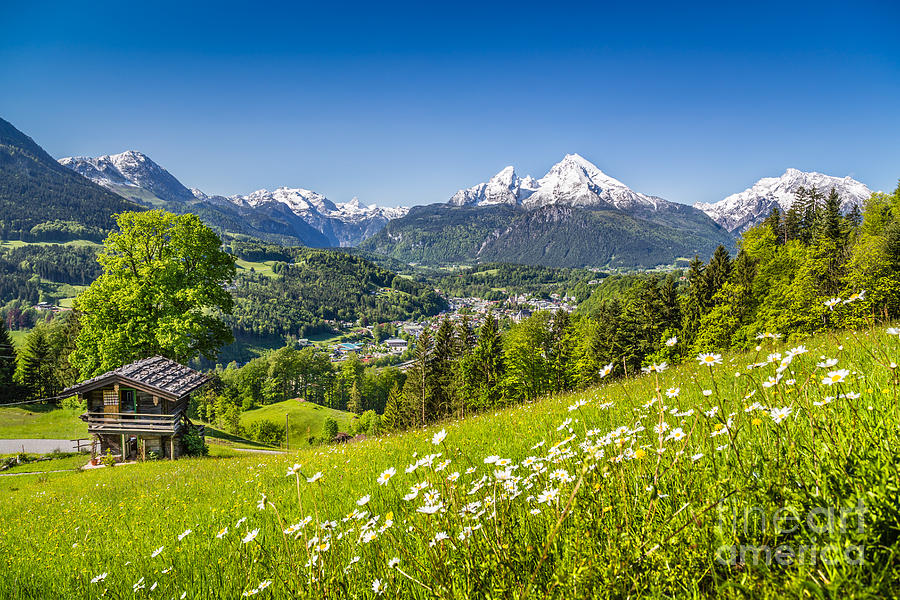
column 139, row 408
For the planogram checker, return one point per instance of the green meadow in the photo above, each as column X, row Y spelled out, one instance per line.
column 304, row 419
column 768, row 474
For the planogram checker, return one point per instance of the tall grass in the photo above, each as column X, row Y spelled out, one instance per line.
column 571, row 496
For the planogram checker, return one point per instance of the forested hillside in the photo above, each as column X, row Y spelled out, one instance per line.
column 554, row 236
column 307, row 287
column 42, row 200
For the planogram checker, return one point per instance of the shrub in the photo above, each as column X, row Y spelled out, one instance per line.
column 266, row 432
column 192, row 444
column 329, row 429
column 108, row 459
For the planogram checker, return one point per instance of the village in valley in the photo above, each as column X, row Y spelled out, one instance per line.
column 397, row 349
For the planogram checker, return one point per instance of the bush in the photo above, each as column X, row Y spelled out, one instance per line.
column 329, row 429
column 108, row 459
column 72, row 402
column 266, row 432
column 192, row 444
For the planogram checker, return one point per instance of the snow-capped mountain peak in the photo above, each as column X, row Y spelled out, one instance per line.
column 573, row 181
column 503, row 188
column 129, row 169
column 738, row 212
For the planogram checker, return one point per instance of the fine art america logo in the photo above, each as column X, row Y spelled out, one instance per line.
column 802, row 537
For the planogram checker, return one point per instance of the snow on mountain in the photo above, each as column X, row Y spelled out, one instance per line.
column 503, row 188
column 346, row 224
column 130, row 169
column 738, row 212
column 134, row 175
column 574, row 181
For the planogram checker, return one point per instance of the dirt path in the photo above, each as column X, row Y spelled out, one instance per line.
column 33, row 446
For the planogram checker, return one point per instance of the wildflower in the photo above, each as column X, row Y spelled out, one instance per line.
column 677, row 435
column 222, row 533
column 835, row 377
column 832, row 303
column 293, row 470
column 184, row 534
column 392, row 564
column 363, row 501
column 442, row 465
column 709, row 360
column 453, row 476
column 893, row 331
column 491, row 460
column 857, row 296
column 771, row 381
column 673, row 392
column 439, row 537
column 707, row 393
column 240, row 521
column 314, row 478
column 547, row 496
column 430, row 510
column 562, row 426
column 139, row 585
column 261, row 505
column 378, row 587
column 157, row 552
column 439, row 437
column 671, row 341
column 99, row 578
column 606, row 370
column 780, row 414
column 827, row 364
column 577, row 405
column 386, row 475
column 657, row 368
column 153, row 587
column 250, row 536
column 697, row 456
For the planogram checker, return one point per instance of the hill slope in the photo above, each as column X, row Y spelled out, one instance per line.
column 40, row 199
column 573, row 496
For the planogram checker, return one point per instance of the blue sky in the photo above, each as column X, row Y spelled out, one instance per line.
column 403, row 103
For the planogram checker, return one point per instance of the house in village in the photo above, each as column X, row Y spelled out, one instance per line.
column 396, row 345
column 140, row 408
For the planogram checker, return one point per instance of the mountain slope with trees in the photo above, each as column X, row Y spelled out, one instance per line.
column 42, row 200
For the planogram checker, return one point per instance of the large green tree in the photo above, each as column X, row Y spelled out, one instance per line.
column 162, row 291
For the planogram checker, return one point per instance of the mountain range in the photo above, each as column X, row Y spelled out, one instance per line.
column 308, row 217
column 574, row 216
column 741, row 211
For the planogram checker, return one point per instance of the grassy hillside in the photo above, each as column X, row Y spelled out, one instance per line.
column 41, row 421
column 305, row 418
column 573, row 496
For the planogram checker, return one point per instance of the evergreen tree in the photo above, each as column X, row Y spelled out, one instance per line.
column 790, row 228
column 419, row 387
column 773, row 221
column 831, row 217
column 392, row 419
column 35, row 368
column 7, row 364
column 854, row 217
column 716, row 274
column 354, row 403
column 443, row 368
column 693, row 302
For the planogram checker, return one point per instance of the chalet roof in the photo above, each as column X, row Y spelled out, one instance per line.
column 156, row 373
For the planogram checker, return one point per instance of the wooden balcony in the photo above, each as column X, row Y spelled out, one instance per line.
column 104, row 422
